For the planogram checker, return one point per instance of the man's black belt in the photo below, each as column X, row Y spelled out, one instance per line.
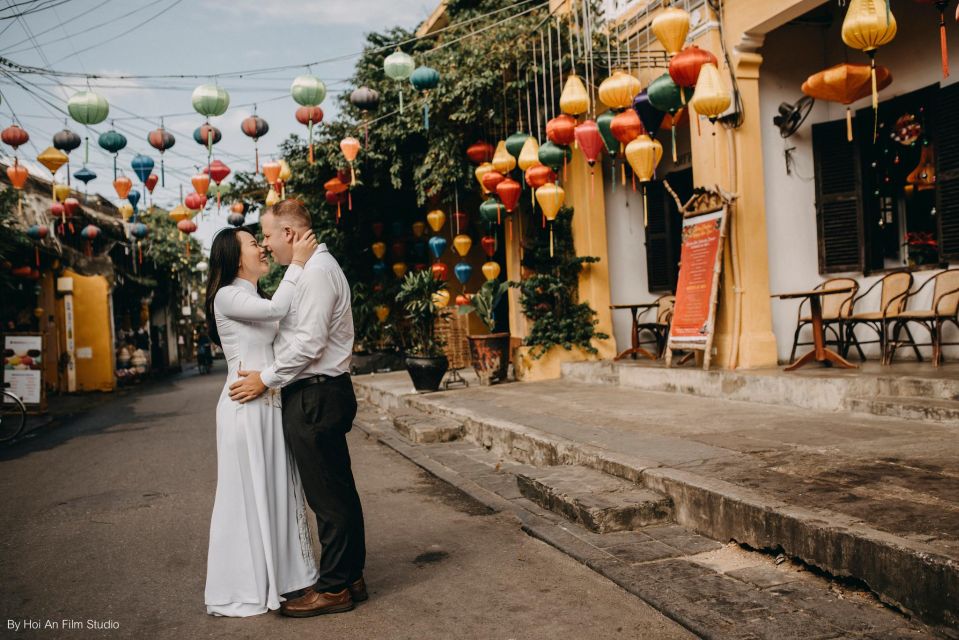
column 302, row 383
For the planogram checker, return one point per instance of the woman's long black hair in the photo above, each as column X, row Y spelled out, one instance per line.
column 224, row 267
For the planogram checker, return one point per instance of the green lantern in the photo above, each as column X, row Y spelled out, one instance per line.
column 666, row 95
column 425, row 79
column 399, row 66
column 87, row 107
column 605, row 122
column 308, row 91
column 554, row 156
column 491, row 211
column 210, row 100
column 514, row 143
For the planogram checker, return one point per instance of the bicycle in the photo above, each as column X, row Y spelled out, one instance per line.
column 13, row 416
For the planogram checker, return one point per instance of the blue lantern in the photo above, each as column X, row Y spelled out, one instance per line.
column 463, row 271
column 437, row 246
column 379, row 269
column 134, row 199
column 142, row 166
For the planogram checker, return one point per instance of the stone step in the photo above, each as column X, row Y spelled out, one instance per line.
column 941, row 388
column 909, row 408
column 422, row 427
column 596, row 500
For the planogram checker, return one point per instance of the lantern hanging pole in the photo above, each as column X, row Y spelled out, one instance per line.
column 550, row 112
column 539, row 127
column 519, row 99
column 529, row 110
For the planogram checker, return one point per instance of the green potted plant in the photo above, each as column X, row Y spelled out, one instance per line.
column 489, row 352
column 425, row 361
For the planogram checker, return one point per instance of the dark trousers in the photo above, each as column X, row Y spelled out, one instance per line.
column 316, row 419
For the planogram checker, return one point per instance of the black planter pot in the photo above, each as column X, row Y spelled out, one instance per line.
column 427, row 373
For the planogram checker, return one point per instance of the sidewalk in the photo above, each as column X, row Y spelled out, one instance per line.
column 873, row 498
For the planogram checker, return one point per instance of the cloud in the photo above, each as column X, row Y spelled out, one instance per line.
column 328, row 12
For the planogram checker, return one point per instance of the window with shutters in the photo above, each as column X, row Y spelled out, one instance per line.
column 664, row 230
column 891, row 202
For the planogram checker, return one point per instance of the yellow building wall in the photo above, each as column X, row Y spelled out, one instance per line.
column 93, row 328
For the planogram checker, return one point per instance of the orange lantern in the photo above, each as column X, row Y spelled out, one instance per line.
column 122, row 185
column 350, row 147
column 201, row 183
column 271, row 171
column 845, row 83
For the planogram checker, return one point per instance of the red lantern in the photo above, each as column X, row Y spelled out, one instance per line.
column 335, row 185
column 377, row 229
column 151, row 182
column 589, row 140
column 440, row 271
column 509, row 191
column 18, row 176
column 491, row 179
column 480, row 152
column 195, row 201
column 685, row 65
column 70, row 207
column 309, row 116
column 561, row 129
column 488, row 243
column 539, row 175
column 462, row 299
column 218, row 172
column 461, row 220
column 57, row 210
column 626, row 126
column 14, row 136
column 399, row 249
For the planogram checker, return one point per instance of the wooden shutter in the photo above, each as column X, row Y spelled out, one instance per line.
column 947, row 173
column 838, row 199
column 658, row 271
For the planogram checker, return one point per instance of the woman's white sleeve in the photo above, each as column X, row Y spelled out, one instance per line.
column 240, row 304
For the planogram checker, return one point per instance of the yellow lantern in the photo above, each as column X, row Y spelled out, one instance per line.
column 574, row 100
column 437, row 219
column 711, row 97
column 618, row 90
column 379, row 250
column 399, row 269
column 285, row 172
column 503, row 161
column 868, row 25
column 671, row 26
column 462, row 244
column 481, row 171
column 272, row 198
column 61, row 192
column 180, row 212
column 382, row 312
column 529, row 154
column 441, row 298
column 126, row 211
column 643, row 155
column 550, row 198
column 52, row 159
column 418, row 228
column 491, row 270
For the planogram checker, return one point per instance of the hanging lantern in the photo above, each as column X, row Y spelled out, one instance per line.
column 134, row 199
column 112, row 141
column 66, row 141
column 462, row 299
column 554, row 156
column 442, row 273
column 201, row 183
column 195, row 201
column 868, row 25
column 550, row 198
column 711, row 97
column 366, row 100
column 618, row 90
column 643, row 155
column 666, row 95
column 350, row 147
column 944, row 52
column 650, row 117
column 126, row 210
column 255, row 127
column 399, row 270
column 90, row 234
column 379, row 269
column 480, row 152
column 529, row 154
column 514, row 143
column 561, row 130
column 272, row 197
column 18, row 175
column 285, row 171
column 14, row 136
column 574, row 100
column 626, row 126
column 491, row 179
column 670, row 26
column 308, row 90
column 442, row 297
column 419, row 227
column 846, row 83
column 436, row 220
column 463, row 271
column 503, row 160
column 142, row 166
column 424, row 80
column 398, row 66
column 509, row 191
column 488, row 244
column 604, row 122
column 309, row 116
column 61, row 193
column 685, row 66
column 88, row 108
column 85, row 175
column 590, row 141
column 491, row 210
column 122, row 185
column 382, row 312
column 399, row 249
column 461, row 220
column 151, row 182
column 379, row 249
column 481, row 172
column 539, row 175
column 210, row 100
column 491, row 270
column 236, row 219
column 207, row 135
column 180, row 212
column 161, row 140
column 462, row 244
column 37, row 233
column 52, row 159
column 218, row 171
column 437, row 246
column 271, row 173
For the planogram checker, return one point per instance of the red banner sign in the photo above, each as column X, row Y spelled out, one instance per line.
column 693, row 314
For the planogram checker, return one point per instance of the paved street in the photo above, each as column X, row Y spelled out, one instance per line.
column 106, row 519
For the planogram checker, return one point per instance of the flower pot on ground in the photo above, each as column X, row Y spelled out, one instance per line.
column 489, row 352
column 424, row 300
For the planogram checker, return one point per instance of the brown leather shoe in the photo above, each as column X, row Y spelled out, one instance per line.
column 313, row 603
column 358, row 590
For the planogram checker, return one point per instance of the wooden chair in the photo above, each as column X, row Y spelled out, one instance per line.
column 944, row 309
column 894, row 289
column 659, row 328
column 836, row 308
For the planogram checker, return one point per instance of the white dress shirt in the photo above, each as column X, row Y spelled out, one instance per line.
column 316, row 336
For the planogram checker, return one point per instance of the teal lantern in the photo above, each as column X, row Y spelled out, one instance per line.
column 514, row 143
column 605, row 121
column 210, row 100
column 491, row 211
column 424, row 80
column 113, row 141
column 554, row 156
column 666, row 95
column 88, row 108
column 399, row 66
column 308, row 91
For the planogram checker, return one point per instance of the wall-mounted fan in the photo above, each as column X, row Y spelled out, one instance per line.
column 791, row 116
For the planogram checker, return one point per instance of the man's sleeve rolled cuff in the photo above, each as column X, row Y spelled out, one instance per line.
column 268, row 377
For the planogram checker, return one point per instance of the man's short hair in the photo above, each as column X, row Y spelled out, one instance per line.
column 292, row 212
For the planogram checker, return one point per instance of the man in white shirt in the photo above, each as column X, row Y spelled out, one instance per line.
column 312, row 353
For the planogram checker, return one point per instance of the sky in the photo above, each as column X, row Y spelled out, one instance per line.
column 196, row 37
